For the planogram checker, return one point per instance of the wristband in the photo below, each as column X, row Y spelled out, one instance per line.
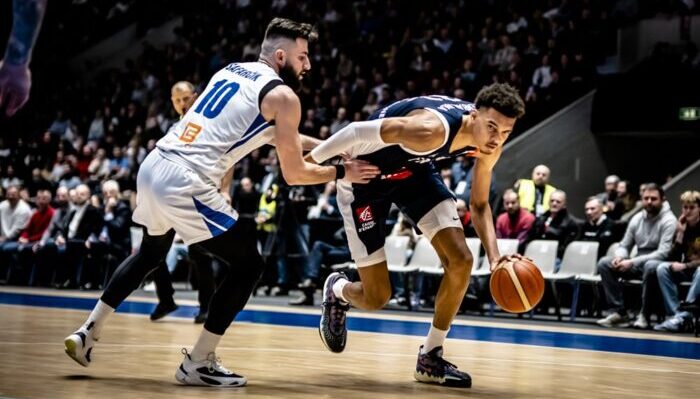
column 339, row 171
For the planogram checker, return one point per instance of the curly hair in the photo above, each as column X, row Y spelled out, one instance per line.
column 502, row 97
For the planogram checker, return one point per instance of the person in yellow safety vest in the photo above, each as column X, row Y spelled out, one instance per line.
column 266, row 210
column 534, row 194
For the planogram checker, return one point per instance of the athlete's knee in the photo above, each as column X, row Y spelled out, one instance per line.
column 458, row 263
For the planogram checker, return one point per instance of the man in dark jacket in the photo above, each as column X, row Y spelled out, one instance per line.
column 555, row 224
column 68, row 244
column 114, row 238
column 598, row 226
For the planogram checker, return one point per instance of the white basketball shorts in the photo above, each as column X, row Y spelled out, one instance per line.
column 170, row 195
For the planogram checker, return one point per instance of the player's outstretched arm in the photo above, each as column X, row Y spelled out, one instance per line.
column 420, row 132
column 480, row 208
column 282, row 105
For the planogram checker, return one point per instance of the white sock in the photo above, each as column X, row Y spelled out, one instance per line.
column 435, row 338
column 205, row 345
column 338, row 289
column 98, row 316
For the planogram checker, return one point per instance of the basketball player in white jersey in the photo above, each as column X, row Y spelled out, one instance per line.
column 244, row 106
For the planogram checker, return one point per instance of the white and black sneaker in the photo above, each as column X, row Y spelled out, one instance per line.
column 208, row 372
column 79, row 344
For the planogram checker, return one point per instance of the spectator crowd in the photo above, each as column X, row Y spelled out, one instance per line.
column 68, row 188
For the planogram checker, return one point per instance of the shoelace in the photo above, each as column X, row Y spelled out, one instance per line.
column 447, row 364
column 215, row 364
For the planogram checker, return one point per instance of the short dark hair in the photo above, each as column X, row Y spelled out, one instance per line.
column 283, row 27
column 502, row 97
column 655, row 187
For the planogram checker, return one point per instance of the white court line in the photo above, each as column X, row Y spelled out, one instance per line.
column 382, row 354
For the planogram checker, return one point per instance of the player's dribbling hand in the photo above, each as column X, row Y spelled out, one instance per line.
column 508, row 258
column 359, row 171
column 15, row 82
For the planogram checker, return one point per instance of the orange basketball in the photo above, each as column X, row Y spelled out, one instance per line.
column 517, row 285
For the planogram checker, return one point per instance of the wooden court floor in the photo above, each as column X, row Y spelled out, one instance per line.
column 137, row 359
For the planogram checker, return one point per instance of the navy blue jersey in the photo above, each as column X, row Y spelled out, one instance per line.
column 394, row 159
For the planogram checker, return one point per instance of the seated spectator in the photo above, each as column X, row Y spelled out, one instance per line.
column 403, row 228
column 245, row 200
column 114, row 238
column 38, row 224
column 9, row 178
column 327, row 253
column 682, row 264
column 61, row 205
column 652, row 232
column 14, row 216
column 535, row 194
column 609, row 196
column 515, row 222
column 598, row 226
column 326, row 205
column 340, row 121
column 66, row 249
column 555, row 224
column 37, row 183
column 99, row 166
column 624, row 201
column 465, row 218
column 541, row 79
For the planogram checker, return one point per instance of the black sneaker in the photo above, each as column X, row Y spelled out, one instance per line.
column 432, row 368
column 332, row 328
column 162, row 310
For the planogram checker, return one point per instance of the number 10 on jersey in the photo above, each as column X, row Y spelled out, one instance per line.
column 216, row 98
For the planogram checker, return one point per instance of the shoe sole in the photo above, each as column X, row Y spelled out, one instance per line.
column 72, row 351
column 183, row 379
column 320, row 323
column 426, row 379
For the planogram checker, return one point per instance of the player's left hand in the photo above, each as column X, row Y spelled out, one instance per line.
column 15, row 82
column 359, row 171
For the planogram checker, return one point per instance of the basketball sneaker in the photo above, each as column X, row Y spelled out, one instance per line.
column 79, row 344
column 333, row 329
column 208, row 372
column 433, row 369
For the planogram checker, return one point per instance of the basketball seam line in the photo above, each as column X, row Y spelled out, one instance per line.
column 516, row 282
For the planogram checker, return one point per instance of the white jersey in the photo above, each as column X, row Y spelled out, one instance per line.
column 225, row 123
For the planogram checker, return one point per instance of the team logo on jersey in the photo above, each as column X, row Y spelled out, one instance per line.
column 365, row 217
column 190, row 133
column 364, row 214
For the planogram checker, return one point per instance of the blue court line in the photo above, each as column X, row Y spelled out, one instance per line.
column 640, row 346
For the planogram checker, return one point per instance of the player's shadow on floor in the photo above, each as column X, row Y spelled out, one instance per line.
column 325, row 385
column 344, row 385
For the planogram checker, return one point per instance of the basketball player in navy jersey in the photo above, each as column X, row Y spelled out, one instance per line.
column 403, row 139
column 244, row 106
